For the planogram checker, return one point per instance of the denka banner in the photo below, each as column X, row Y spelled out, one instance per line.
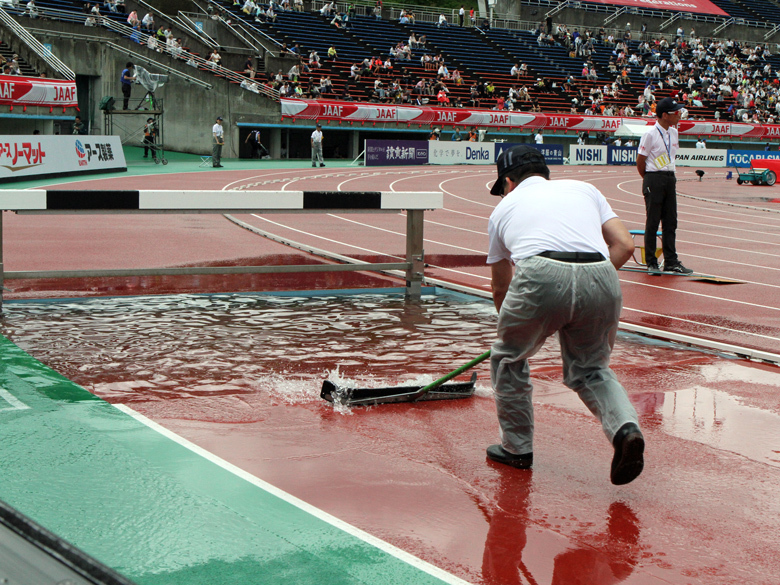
column 396, row 152
column 38, row 156
column 36, row 91
column 460, row 153
column 695, row 6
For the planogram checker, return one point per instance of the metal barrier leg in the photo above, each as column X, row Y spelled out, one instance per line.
column 414, row 253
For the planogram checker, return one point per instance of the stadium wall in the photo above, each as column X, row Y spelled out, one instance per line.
column 190, row 110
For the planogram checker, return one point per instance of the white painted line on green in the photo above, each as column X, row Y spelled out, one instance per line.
column 298, row 503
column 15, row 403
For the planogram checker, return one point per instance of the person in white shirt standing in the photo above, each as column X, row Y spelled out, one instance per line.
column 655, row 163
column 316, row 146
column 554, row 247
column 701, row 144
column 218, row 135
column 539, row 137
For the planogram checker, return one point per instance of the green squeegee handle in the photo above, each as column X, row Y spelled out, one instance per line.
column 422, row 391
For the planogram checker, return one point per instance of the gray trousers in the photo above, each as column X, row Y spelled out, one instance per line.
column 216, row 154
column 316, row 153
column 582, row 303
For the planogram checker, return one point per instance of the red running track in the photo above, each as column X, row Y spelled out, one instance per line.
column 704, row 511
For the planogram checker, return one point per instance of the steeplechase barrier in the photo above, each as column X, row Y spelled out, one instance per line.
column 97, row 202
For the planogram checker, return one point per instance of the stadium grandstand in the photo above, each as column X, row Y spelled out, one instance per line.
column 249, row 61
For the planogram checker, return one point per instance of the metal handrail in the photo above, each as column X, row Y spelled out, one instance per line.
column 36, row 46
column 184, row 21
column 615, row 15
column 143, row 39
column 250, row 30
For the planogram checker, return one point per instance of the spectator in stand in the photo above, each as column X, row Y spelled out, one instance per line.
column 294, row 73
column 314, row 60
column 148, row 22
column 132, row 18
column 120, row 6
column 472, row 17
column 461, row 15
column 442, row 21
column 326, row 86
column 328, row 9
column 270, row 15
column 298, row 5
column 332, row 54
column 32, row 9
column 515, row 71
column 249, row 68
column 214, row 59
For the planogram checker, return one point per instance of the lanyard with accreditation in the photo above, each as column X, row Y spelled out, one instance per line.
column 664, row 160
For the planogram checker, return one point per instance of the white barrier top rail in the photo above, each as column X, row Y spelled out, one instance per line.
column 49, row 201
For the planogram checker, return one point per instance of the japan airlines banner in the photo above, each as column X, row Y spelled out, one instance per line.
column 36, row 91
column 695, row 6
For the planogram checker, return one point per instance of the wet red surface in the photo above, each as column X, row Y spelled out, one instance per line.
column 705, row 510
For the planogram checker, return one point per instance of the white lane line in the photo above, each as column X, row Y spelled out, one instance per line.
column 700, row 324
column 695, row 294
column 13, row 401
column 378, row 543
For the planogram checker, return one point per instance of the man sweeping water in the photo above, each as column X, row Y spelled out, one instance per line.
column 554, row 250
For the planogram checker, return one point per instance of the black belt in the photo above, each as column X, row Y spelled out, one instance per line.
column 660, row 172
column 574, row 257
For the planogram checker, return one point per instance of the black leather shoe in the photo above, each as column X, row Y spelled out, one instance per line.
column 500, row 455
column 628, row 460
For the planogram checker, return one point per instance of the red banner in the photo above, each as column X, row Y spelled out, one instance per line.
column 694, row 6
column 37, row 91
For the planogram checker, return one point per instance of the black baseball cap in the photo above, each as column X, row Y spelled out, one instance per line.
column 514, row 158
column 219, row 117
column 667, row 105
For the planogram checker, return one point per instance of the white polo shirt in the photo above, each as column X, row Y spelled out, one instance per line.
column 218, row 132
column 660, row 147
column 541, row 215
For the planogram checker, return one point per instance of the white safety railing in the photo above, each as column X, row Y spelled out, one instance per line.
column 143, row 39
column 36, row 46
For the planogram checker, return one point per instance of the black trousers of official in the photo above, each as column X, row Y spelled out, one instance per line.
column 126, row 90
column 660, row 192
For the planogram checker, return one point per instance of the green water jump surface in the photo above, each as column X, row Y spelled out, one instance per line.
column 153, row 509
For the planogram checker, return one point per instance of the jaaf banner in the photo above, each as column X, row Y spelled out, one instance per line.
column 695, row 6
column 37, row 91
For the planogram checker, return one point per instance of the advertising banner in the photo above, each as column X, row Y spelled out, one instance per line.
column 364, row 113
column 742, row 158
column 587, row 155
column 621, row 155
column 39, row 156
column 358, row 115
column 695, row 6
column 461, row 153
column 36, row 91
column 553, row 153
column 396, row 152
column 698, row 157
